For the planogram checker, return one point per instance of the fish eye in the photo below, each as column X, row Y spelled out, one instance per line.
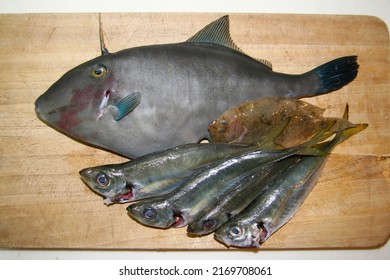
column 149, row 213
column 235, row 231
column 102, row 179
column 224, row 122
column 99, row 71
column 208, row 224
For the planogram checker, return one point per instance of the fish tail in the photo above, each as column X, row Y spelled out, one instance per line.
column 344, row 134
column 335, row 74
column 346, row 112
column 349, row 132
column 311, row 148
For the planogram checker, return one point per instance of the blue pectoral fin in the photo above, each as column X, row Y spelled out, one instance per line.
column 127, row 104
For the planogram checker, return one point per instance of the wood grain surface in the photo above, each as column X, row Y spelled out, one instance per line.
column 44, row 203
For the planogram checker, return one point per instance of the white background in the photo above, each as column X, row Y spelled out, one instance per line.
column 379, row 8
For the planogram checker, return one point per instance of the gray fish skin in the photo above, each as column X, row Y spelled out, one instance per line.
column 241, row 195
column 278, row 204
column 156, row 173
column 151, row 98
column 181, row 206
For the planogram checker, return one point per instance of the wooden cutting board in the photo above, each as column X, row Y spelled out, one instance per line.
column 44, row 203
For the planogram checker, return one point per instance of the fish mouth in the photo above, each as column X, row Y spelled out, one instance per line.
column 226, row 241
column 181, row 221
column 122, row 198
column 39, row 111
column 126, row 197
column 264, row 234
column 206, row 227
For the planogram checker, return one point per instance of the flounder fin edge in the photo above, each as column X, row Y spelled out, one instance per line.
column 127, row 104
column 217, row 32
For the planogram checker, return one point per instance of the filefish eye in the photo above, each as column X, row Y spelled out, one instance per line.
column 99, row 71
column 149, row 213
column 102, row 179
column 235, row 231
column 208, row 224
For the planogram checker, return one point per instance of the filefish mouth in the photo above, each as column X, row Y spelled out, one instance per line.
column 39, row 109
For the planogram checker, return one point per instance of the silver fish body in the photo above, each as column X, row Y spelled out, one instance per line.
column 278, row 204
column 152, row 98
column 242, row 194
column 271, row 209
column 181, row 206
column 157, row 173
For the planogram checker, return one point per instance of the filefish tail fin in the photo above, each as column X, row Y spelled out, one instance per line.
column 335, row 74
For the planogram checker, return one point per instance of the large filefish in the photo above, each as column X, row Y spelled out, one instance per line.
column 151, row 98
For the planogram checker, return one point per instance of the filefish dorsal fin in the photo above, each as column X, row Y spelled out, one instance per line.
column 101, row 38
column 218, row 33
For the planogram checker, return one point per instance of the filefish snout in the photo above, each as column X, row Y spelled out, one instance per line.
column 58, row 108
column 41, row 110
column 76, row 101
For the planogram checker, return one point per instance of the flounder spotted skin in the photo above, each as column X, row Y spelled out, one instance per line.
column 251, row 121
